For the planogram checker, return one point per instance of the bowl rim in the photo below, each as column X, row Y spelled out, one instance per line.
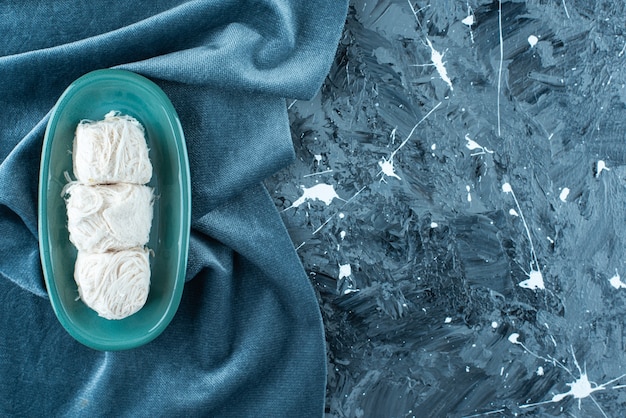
column 127, row 78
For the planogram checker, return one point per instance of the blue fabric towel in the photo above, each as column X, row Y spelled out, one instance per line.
column 247, row 340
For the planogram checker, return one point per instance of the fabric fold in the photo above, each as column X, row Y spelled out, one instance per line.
column 247, row 339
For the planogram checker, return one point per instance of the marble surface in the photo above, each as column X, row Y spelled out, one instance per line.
column 458, row 201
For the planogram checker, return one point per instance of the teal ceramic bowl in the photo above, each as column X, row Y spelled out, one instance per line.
column 91, row 97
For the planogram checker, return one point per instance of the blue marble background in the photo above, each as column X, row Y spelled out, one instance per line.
column 458, row 202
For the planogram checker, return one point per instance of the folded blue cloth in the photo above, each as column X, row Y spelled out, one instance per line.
column 247, row 339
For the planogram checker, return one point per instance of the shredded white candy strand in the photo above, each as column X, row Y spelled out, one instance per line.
column 115, row 284
column 111, row 150
column 109, row 217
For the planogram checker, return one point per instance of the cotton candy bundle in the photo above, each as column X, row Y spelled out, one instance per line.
column 114, row 284
column 112, row 150
column 109, row 217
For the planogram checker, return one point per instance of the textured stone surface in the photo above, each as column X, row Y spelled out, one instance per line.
column 472, row 268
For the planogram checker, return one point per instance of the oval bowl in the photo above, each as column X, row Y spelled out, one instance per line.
column 91, row 97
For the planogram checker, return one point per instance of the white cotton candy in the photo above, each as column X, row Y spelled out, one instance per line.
column 109, row 213
column 114, row 284
column 112, row 150
column 109, row 217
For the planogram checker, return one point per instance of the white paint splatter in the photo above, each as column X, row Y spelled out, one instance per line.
column 386, row 165
column 341, row 215
column 416, row 11
column 535, row 278
column 434, row 225
column 386, row 168
column 318, row 173
column 501, row 60
column 494, row 325
column 532, row 40
column 565, row 7
column 564, row 194
column 513, row 212
column 553, row 340
column 447, row 320
column 469, row 195
column 616, row 281
column 342, row 235
column 437, row 58
column 345, row 270
column 473, row 145
column 601, row 165
column 324, row 192
column 580, row 388
column 469, row 20
column 534, row 281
